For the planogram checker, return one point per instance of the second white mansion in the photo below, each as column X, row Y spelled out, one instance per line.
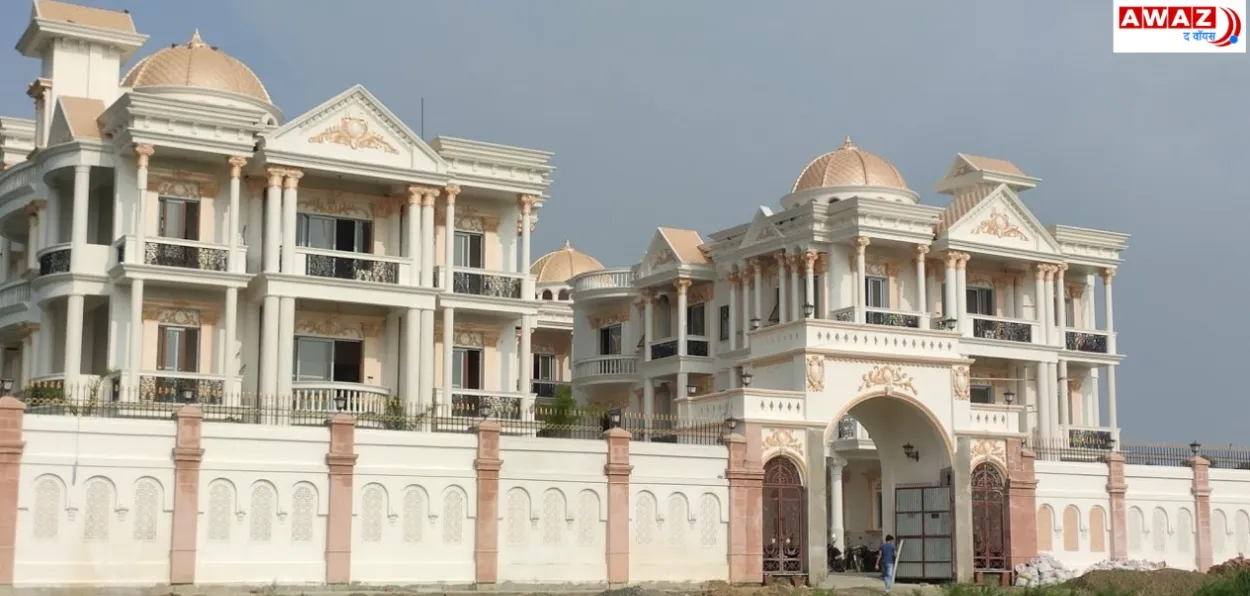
column 169, row 235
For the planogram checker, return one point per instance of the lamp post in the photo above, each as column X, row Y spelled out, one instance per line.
column 949, row 324
column 1195, row 448
column 340, row 401
column 730, row 424
column 755, row 324
column 6, row 386
column 614, row 418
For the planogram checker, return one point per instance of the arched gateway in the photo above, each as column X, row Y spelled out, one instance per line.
column 785, row 519
column 990, row 543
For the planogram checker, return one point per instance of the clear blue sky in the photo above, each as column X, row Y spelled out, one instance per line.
column 693, row 113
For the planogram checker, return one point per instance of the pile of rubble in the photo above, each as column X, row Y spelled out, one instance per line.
column 1046, row 569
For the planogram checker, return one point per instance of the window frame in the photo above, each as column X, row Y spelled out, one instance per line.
column 974, row 390
column 883, row 291
column 332, row 365
column 723, row 315
column 362, row 232
column 979, row 299
column 549, row 360
column 190, row 218
column 696, row 318
column 188, row 349
column 468, row 241
column 605, row 333
column 461, row 365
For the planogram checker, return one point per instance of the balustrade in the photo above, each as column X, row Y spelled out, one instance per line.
column 479, row 282
column 184, row 254
column 664, row 349
column 1001, row 329
column 1087, row 341
column 53, row 261
column 352, row 266
column 880, row 316
column 181, row 388
column 605, row 366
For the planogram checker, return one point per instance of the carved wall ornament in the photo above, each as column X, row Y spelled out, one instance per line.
column 961, row 382
column 468, row 339
column 354, row 134
column 328, row 325
column 998, row 224
column 608, row 317
column 701, row 293
column 989, row 450
column 664, row 257
column 1075, row 383
column 336, row 203
column 889, row 376
column 182, row 184
column 783, row 439
column 177, row 314
column 815, row 373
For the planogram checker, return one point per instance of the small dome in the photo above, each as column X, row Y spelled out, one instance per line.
column 558, row 266
column 849, row 166
column 196, row 64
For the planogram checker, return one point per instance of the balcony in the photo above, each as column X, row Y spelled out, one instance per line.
column 664, row 349
column 504, row 405
column 696, row 345
column 1090, row 438
column 613, row 365
column 1094, row 342
column 993, row 418
column 353, row 266
column 874, row 340
column 13, row 293
column 745, row 403
column 547, row 389
column 181, row 387
column 1002, row 329
column 605, row 282
column 186, row 254
column 20, row 177
column 329, row 397
column 891, row 318
column 480, row 282
column 848, row 428
column 54, row 260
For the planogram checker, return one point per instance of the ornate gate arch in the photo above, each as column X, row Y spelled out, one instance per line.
column 989, row 518
column 785, row 519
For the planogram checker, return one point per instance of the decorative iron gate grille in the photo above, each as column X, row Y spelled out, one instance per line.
column 785, row 523
column 989, row 518
column 923, row 522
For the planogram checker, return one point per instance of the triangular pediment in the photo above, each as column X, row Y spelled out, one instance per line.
column 355, row 127
column 660, row 255
column 761, row 229
column 1002, row 220
column 59, row 131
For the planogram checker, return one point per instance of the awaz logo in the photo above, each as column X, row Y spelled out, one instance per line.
column 1179, row 29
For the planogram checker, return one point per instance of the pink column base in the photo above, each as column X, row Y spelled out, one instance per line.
column 341, row 461
column 188, row 454
column 486, row 527
column 618, row 470
column 1202, row 508
column 1116, row 489
column 745, row 473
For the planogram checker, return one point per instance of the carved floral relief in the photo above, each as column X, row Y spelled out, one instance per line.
column 998, row 224
column 989, row 450
column 815, row 373
column 354, row 134
column 961, row 382
column 785, row 440
column 889, row 377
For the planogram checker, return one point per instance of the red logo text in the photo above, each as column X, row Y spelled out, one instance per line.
column 1167, row 17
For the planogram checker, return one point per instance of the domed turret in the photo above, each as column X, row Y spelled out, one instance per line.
column 195, row 65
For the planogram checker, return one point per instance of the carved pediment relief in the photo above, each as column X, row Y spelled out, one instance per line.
column 182, row 184
column 179, row 313
column 336, row 326
column 888, row 377
column 608, row 317
column 354, row 133
column 469, row 219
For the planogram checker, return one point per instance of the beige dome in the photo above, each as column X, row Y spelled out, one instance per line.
column 558, row 266
column 196, row 64
column 849, row 166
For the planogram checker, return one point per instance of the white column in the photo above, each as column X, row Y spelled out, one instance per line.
column 683, row 287
column 1048, row 298
column 134, row 360
column 290, row 209
column 1017, row 298
column 834, row 485
column 1021, row 386
column 143, row 153
column 73, row 340
column 526, row 204
column 32, row 236
column 809, row 282
column 449, row 353
column 1043, row 404
column 961, row 287
column 861, row 290
column 78, row 220
column 1109, row 315
column 412, row 245
column 783, row 289
column 427, row 255
column 732, row 278
column 232, row 216
column 270, row 317
column 28, row 357
column 273, row 222
column 648, row 401
column 527, row 367
column 756, row 288
column 427, row 364
column 922, row 302
column 950, row 304
column 449, row 236
column 1087, row 303
column 412, row 357
column 648, row 323
column 229, row 360
column 744, row 280
column 832, row 298
column 796, row 288
column 286, row 347
column 1065, row 404
column 1039, row 304
column 1061, row 310
column 1113, row 420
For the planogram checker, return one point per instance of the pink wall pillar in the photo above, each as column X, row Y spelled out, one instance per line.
column 1202, row 508
column 11, row 447
column 745, row 473
column 1021, row 502
column 486, row 527
column 341, row 460
column 188, row 453
column 618, row 470
column 1116, row 488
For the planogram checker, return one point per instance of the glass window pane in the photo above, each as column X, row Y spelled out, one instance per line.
column 313, row 358
column 172, row 348
column 457, row 368
column 462, row 250
column 320, row 233
column 173, row 218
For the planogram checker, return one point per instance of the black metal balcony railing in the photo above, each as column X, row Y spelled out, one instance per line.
column 696, row 347
column 546, row 389
column 1084, row 438
column 1002, row 330
column 892, row 319
column 845, row 316
column 664, row 350
column 503, row 408
column 164, row 389
column 186, row 257
column 1087, row 342
column 53, row 262
column 847, row 428
column 352, row 268
column 484, row 284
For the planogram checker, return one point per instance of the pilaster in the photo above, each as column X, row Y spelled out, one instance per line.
column 745, row 473
column 1116, row 488
column 341, row 462
column 618, row 470
column 12, row 445
column 188, row 453
column 1021, row 503
column 486, row 528
column 1202, row 508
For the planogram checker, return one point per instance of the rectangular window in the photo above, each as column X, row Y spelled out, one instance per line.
column 466, row 368
column 877, row 292
column 334, row 233
column 775, row 316
column 179, row 218
column 982, row 394
column 468, row 250
column 610, row 340
column 178, row 349
column 320, row 359
column 544, row 367
column 877, row 516
column 695, row 325
column 724, row 323
column 981, row 301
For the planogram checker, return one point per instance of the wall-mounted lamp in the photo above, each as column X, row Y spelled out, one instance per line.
column 340, row 400
column 746, row 379
column 730, row 425
column 809, row 310
column 1010, row 396
column 910, row 451
column 755, row 324
column 691, row 389
column 949, row 324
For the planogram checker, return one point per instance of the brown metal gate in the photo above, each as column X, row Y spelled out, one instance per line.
column 923, row 524
column 989, row 518
column 785, row 519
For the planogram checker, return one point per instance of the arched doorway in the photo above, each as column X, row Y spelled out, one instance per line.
column 785, row 519
column 989, row 518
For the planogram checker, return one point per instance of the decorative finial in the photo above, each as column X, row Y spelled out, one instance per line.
column 195, row 42
column 568, row 245
column 847, row 144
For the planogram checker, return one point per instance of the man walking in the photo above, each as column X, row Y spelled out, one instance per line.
column 885, row 562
